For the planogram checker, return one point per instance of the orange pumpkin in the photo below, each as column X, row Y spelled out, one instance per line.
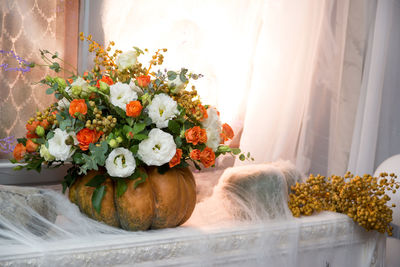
column 162, row 201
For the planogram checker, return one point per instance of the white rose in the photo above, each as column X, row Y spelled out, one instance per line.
column 213, row 128
column 136, row 88
column 177, row 85
column 57, row 146
column 121, row 94
column 126, row 59
column 44, row 153
column 120, row 163
column 158, row 149
column 162, row 109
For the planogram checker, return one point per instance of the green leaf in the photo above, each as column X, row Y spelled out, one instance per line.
column 96, row 181
column 129, row 121
column 99, row 152
column 174, row 127
column 18, row 168
column 171, row 75
column 242, row 157
column 134, row 149
column 121, row 187
column 13, row 161
column 138, row 182
column 182, row 75
column 140, row 137
column 224, row 149
column 50, row 135
column 97, row 197
column 138, row 127
column 78, row 158
column 236, row 151
column 22, row 141
column 178, row 141
column 138, row 50
column 49, row 91
column 248, row 154
column 163, row 168
column 55, row 66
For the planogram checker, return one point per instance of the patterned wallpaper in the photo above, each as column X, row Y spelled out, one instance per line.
column 27, row 26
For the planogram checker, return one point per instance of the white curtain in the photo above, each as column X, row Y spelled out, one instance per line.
column 377, row 130
column 287, row 73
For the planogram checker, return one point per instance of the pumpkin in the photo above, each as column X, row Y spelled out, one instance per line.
column 162, row 201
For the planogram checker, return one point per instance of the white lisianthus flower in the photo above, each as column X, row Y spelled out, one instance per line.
column 126, row 59
column 120, row 163
column 177, row 84
column 44, row 153
column 136, row 88
column 213, row 128
column 57, row 146
column 158, row 149
column 162, row 109
column 63, row 103
column 121, row 94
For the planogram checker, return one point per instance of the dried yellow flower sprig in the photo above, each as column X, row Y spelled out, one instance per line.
column 362, row 198
column 102, row 59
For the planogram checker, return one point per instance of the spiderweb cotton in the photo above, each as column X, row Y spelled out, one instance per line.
column 244, row 222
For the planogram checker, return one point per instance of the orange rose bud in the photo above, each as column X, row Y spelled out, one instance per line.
column 77, row 105
column 31, row 135
column 70, row 81
column 133, row 109
column 105, row 79
column 31, row 146
column 176, row 159
column 195, row 154
column 196, row 135
column 32, row 127
column 86, row 137
column 19, row 151
column 227, row 132
column 207, row 157
column 143, row 80
column 44, row 123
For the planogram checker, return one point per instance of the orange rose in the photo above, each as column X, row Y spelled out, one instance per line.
column 227, row 133
column 31, row 135
column 86, row 137
column 195, row 154
column 31, row 146
column 77, row 106
column 133, row 109
column 176, row 159
column 44, row 123
column 203, row 136
column 105, row 79
column 143, row 80
column 207, row 157
column 203, row 110
column 19, row 151
column 32, row 126
column 196, row 135
column 70, row 81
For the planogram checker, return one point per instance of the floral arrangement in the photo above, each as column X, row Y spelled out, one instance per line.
column 122, row 116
